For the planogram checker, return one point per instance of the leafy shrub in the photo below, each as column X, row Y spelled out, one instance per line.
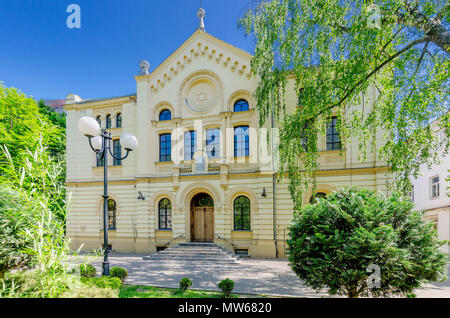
column 118, row 272
column 87, row 270
column 340, row 241
column 185, row 283
column 227, row 286
column 12, row 229
column 102, row 282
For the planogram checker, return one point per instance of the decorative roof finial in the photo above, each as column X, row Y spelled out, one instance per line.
column 201, row 15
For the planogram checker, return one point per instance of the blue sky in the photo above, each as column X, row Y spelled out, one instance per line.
column 41, row 56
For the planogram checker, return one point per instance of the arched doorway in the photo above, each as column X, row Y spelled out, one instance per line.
column 202, row 218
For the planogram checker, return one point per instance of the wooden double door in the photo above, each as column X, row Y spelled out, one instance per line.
column 202, row 221
column 203, row 224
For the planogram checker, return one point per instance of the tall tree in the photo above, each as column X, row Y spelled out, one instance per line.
column 336, row 50
column 24, row 124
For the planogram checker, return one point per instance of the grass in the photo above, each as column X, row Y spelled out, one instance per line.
column 128, row 291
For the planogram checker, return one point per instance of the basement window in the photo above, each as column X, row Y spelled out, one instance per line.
column 160, row 248
column 241, row 252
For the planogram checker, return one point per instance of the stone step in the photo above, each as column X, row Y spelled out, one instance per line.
column 198, row 244
column 195, row 253
column 191, row 259
column 174, row 252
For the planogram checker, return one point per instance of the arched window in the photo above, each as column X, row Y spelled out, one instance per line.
column 165, row 115
column 241, row 106
column 108, row 121
column 316, row 196
column 118, row 120
column 165, row 214
column 99, row 120
column 241, row 141
column 112, row 211
column 242, row 214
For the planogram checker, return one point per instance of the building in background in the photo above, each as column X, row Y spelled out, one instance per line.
column 56, row 104
column 203, row 170
column 430, row 192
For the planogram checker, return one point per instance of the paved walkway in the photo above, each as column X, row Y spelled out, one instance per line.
column 251, row 276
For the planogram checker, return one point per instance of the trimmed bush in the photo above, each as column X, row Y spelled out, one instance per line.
column 87, row 270
column 185, row 283
column 227, row 286
column 119, row 272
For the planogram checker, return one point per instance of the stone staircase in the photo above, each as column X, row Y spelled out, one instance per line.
column 195, row 253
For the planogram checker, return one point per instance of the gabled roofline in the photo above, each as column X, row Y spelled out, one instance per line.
column 169, row 59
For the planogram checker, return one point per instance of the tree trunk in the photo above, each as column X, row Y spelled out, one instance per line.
column 432, row 27
column 352, row 292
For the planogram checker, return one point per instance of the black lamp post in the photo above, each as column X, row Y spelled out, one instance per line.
column 100, row 142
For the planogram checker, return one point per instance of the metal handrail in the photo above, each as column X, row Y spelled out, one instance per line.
column 176, row 238
column 220, row 237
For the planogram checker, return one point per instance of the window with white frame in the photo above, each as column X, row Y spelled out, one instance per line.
column 435, row 187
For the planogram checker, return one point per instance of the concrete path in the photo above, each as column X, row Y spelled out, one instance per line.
column 251, row 276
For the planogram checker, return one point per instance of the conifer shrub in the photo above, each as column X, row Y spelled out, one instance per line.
column 119, row 272
column 185, row 283
column 227, row 286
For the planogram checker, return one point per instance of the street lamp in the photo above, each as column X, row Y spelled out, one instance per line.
column 100, row 142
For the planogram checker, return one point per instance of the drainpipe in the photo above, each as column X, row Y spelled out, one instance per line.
column 274, row 183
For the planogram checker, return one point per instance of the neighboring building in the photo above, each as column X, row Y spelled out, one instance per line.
column 56, row 104
column 430, row 192
column 198, row 165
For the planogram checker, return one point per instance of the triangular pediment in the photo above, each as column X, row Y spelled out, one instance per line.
column 200, row 45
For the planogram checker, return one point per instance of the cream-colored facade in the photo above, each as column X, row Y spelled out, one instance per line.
column 431, row 191
column 199, row 84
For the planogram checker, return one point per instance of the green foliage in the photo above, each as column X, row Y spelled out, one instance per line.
column 12, row 241
column 334, row 56
column 23, row 125
column 127, row 291
column 185, row 283
column 102, row 282
column 87, row 270
column 227, row 286
column 36, row 186
column 333, row 242
column 119, row 272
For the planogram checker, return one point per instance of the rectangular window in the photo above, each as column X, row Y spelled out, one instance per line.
column 190, row 144
column 100, row 162
column 411, row 194
column 213, row 143
column 241, row 141
column 165, row 148
column 117, row 151
column 333, row 141
column 435, row 187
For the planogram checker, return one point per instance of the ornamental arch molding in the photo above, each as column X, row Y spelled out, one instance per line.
column 112, row 196
column 158, row 196
column 238, row 95
column 327, row 189
column 159, row 107
column 242, row 191
column 202, row 80
column 191, row 190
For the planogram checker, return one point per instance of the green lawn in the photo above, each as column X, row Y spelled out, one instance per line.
column 128, row 291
